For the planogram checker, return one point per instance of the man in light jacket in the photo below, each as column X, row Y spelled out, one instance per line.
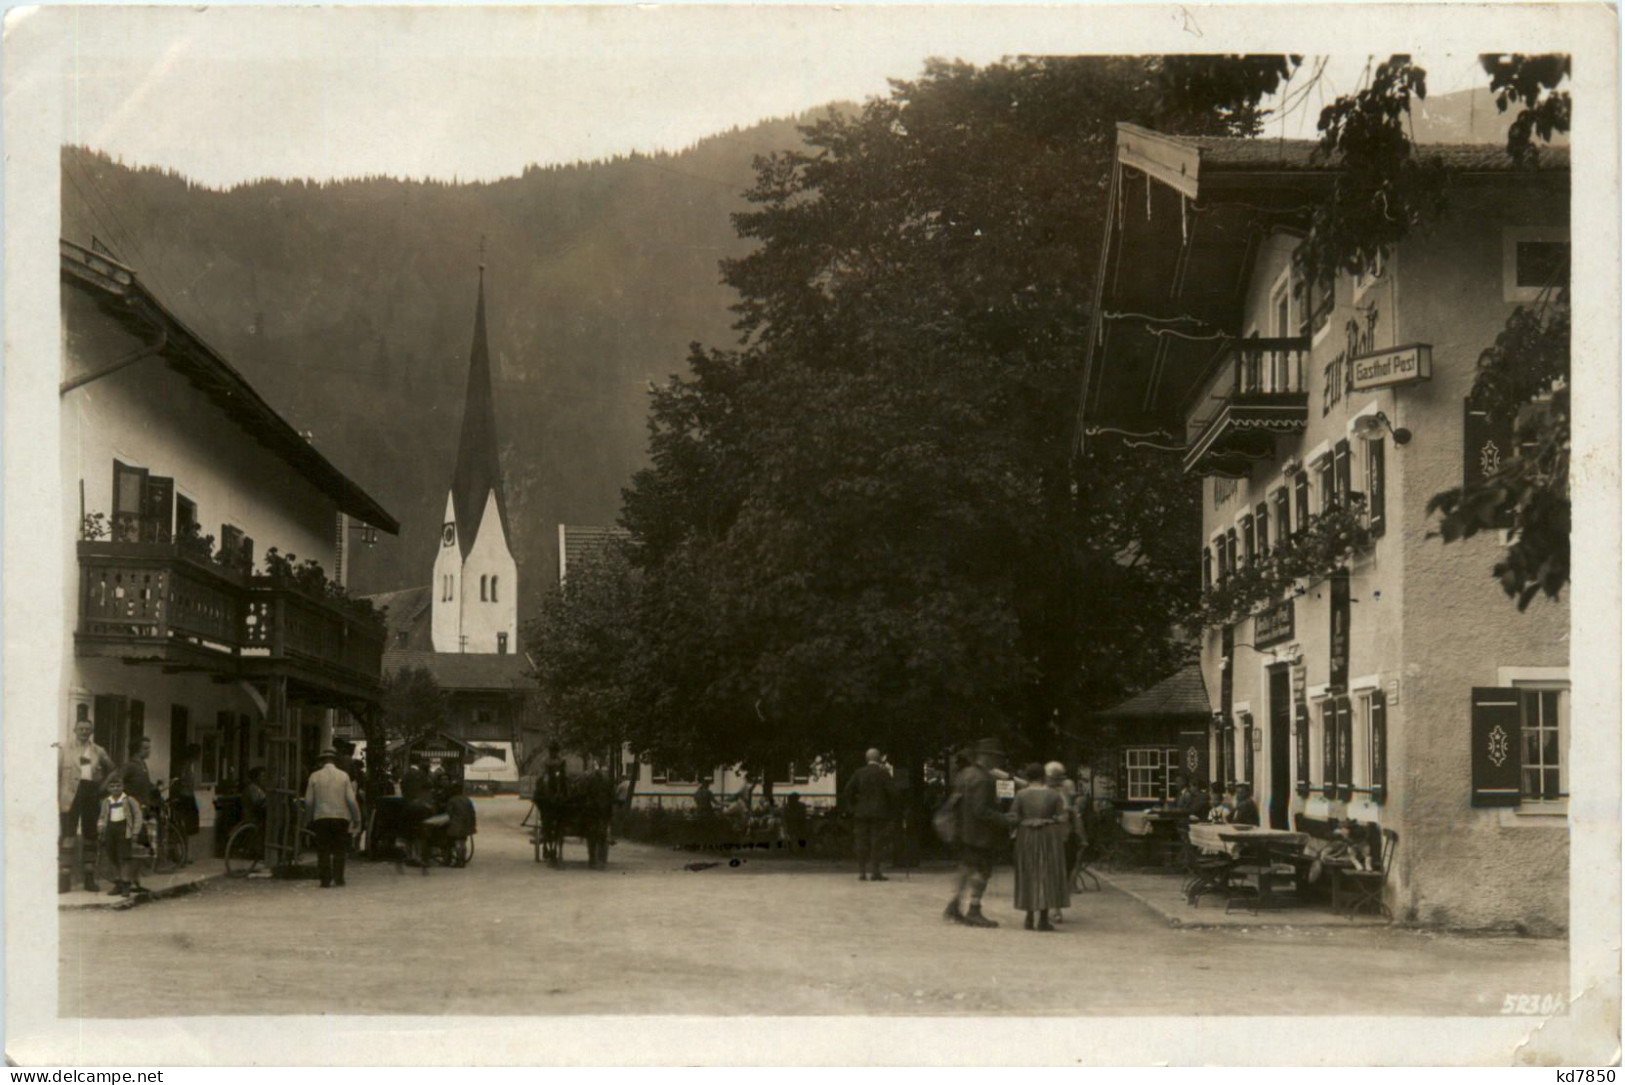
column 82, row 768
column 330, row 804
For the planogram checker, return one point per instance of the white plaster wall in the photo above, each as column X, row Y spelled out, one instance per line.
column 482, row 620
column 1426, row 615
column 446, row 615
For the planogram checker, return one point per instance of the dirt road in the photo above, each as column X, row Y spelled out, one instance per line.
column 507, row 936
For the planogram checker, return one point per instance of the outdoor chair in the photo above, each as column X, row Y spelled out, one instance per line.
column 1205, row 873
column 1354, row 891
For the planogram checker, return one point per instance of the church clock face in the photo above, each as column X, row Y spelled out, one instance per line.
column 448, row 534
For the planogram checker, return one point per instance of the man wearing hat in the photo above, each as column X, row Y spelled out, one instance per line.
column 981, row 827
column 82, row 768
column 334, row 814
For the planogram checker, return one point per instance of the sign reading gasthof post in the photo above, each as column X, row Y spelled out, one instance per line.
column 1397, row 365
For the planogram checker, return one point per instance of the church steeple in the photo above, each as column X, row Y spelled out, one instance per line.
column 479, row 470
column 476, row 581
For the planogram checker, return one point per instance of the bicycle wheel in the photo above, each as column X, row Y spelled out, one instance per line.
column 245, row 850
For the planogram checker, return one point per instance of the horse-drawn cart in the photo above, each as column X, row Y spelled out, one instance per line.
column 579, row 806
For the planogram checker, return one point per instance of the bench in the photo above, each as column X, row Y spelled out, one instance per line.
column 1353, row 890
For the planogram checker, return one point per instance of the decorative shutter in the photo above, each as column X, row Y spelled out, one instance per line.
column 1376, row 484
column 1345, row 749
column 1342, row 473
column 1497, row 746
column 1379, row 746
column 1193, row 756
column 157, row 509
column 1247, row 746
column 1301, row 714
column 1487, row 445
column 1340, row 614
column 1328, row 748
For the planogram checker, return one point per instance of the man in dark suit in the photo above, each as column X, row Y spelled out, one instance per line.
column 980, row 829
column 872, row 794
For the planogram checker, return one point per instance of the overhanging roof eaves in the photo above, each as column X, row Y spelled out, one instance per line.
column 123, row 294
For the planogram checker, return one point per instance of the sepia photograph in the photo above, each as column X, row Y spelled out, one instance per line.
column 871, row 519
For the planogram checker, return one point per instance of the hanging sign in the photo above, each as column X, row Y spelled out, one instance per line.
column 1273, row 625
column 1386, row 368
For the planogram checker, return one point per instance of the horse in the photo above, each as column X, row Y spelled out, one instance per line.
column 573, row 806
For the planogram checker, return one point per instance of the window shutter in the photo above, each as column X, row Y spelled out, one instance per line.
column 138, row 724
column 1342, row 473
column 1497, row 724
column 1262, row 520
column 1328, row 748
column 1301, row 713
column 1341, row 613
column 1345, row 749
column 1233, row 551
column 1193, row 756
column 1249, row 545
column 129, row 488
column 1300, row 494
column 157, row 509
column 1379, row 746
column 1376, row 483
column 1283, row 514
column 1122, row 776
column 1247, row 747
column 1207, row 568
column 231, row 539
column 1487, row 445
column 248, row 554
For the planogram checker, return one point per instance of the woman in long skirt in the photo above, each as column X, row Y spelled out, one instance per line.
column 1040, row 816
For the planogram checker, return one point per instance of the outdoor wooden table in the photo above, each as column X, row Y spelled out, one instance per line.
column 1260, row 848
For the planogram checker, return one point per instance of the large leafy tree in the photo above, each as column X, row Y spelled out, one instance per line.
column 413, row 704
column 864, row 524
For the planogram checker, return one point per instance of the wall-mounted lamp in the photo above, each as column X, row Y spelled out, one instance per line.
column 1370, row 427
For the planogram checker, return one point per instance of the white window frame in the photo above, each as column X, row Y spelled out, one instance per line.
column 1510, row 237
column 1147, row 791
column 1360, row 693
column 1541, row 811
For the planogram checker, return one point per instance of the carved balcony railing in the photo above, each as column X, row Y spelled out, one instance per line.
column 1257, row 393
column 152, row 600
column 322, row 636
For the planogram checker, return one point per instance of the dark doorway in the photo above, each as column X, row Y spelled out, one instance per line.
column 1280, row 755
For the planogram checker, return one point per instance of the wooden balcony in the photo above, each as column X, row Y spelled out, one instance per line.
column 1257, row 394
column 152, row 603
column 318, row 642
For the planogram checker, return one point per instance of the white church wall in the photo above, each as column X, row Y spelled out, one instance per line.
column 484, row 620
column 445, row 623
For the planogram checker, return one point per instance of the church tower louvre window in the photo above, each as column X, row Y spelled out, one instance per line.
column 475, row 552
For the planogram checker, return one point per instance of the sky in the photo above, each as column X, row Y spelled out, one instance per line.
column 226, row 94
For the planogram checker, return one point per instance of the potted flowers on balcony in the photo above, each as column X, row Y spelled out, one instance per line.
column 1323, row 545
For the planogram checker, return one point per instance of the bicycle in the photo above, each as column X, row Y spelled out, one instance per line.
column 246, row 849
column 168, row 848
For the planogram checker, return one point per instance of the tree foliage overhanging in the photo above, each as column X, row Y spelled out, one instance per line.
column 864, row 525
column 1383, row 192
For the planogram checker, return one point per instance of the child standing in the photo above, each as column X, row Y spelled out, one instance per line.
column 118, row 824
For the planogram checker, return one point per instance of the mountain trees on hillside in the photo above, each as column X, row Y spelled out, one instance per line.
column 864, row 524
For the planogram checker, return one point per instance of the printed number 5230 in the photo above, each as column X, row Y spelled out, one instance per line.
column 1532, row 1004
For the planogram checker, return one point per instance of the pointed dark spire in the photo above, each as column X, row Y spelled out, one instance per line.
column 479, row 471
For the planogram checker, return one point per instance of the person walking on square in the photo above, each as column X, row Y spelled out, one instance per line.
column 980, row 828
column 118, row 823
column 82, row 769
column 330, row 804
column 871, row 793
column 1041, row 822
